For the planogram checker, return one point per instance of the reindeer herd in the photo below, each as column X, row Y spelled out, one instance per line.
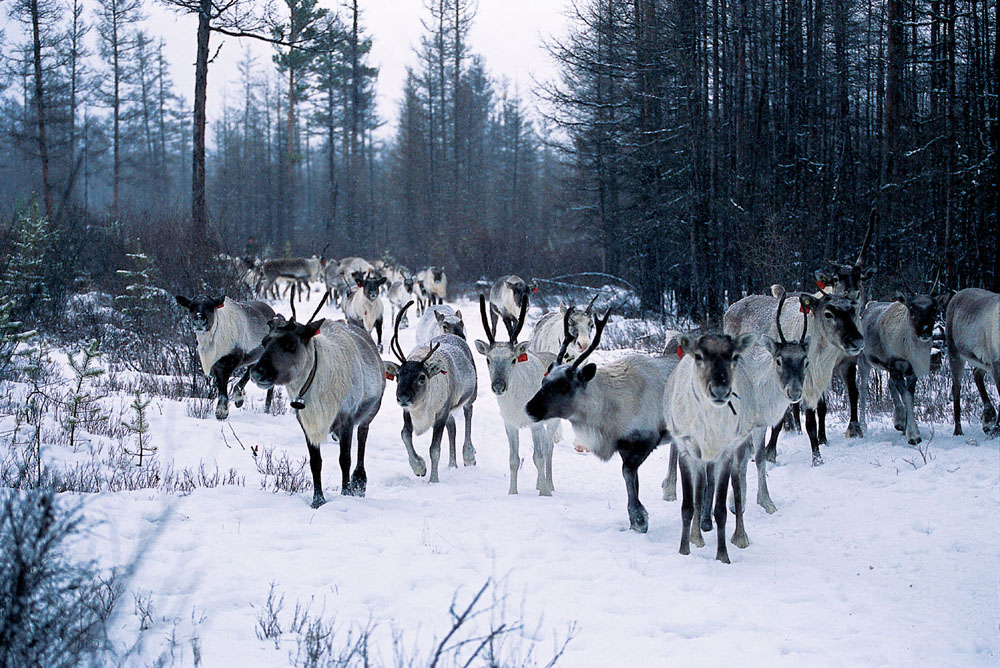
column 712, row 395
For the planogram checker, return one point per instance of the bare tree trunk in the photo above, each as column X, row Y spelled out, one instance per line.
column 199, row 213
column 43, row 146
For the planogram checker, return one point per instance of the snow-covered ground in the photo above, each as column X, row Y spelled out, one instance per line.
column 870, row 560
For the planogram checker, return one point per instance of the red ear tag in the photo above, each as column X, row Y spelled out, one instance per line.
column 523, row 357
column 535, row 289
column 803, row 309
column 680, row 353
column 821, row 285
column 220, row 306
column 444, row 373
column 389, row 376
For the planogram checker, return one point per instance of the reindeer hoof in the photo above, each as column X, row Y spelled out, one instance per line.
column 697, row 540
column 914, row 440
column 741, row 540
column 771, row 456
column 723, row 557
column 419, row 467
column 685, row 549
column 545, row 492
column 221, row 412
column 639, row 520
column 358, row 485
column 317, row 501
column 854, row 430
column 817, row 460
column 469, row 456
column 669, row 494
column 989, row 416
column 958, row 432
column 767, row 505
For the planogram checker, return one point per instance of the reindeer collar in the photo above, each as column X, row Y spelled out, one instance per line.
column 300, row 401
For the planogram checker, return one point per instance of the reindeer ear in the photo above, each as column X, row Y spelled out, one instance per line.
column 824, row 278
column 586, row 374
column 311, row 329
column 183, row 301
column 433, row 368
column 942, row 299
column 744, row 341
column 522, row 348
column 807, row 302
column 482, row 347
column 769, row 343
column 867, row 273
column 381, row 280
column 438, row 315
column 900, row 296
column 459, row 314
column 686, row 343
column 391, row 370
column 219, row 301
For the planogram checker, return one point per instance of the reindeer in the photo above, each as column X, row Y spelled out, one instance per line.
column 298, row 271
column 972, row 326
column 898, row 340
column 848, row 280
column 400, row 292
column 228, row 333
column 833, row 321
column 364, row 306
column 775, row 372
column 548, row 334
column 435, row 283
column 615, row 408
column 515, row 375
column 505, row 298
column 435, row 380
column 337, row 378
column 708, row 430
column 437, row 320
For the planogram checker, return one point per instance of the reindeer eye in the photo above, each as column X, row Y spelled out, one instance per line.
column 828, row 315
column 488, row 362
column 513, row 362
column 777, row 361
column 698, row 357
column 805, row 363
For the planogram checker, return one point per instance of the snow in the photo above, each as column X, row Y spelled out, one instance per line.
column 870, row 560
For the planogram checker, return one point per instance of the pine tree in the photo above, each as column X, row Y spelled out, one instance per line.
column 25, row 281
column 81, row 403
column 139, row 426
column 12, row 334
column 138, row 302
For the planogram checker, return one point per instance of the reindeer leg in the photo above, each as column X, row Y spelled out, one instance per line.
column 989, row 413
column 539, row 453
column 897, row 388
column 722, row 488
column 698, row 487
column 738, row 475
column 995, row 429
column 359, row 479
column 268, row 399
column 378, row 328
column 468, row 452
column 436, row 435
column 513, row 457
column 907, row 385
column 344, row 436
column 452, row 429
column 416, row 462
column 221, row 371
column 760, row 459
column 239, row 395
column 821, row 420
column 687, row 507
column 708, row 496
column 670, row 482
column 851, row 380
column 633, row 453
column 817, row 458
column 957, row 367
column 316, row 466
column 771, row 454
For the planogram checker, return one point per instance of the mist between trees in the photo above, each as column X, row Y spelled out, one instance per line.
column 699, row 150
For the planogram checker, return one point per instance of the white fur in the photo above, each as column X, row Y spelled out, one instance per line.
column 428, row 326
column 973, row 326
column 549, row 333
column 445, row 392
column 235, row 328
column 358, row 308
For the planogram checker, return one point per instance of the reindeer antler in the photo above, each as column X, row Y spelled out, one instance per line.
column 491, row 332
column 291, row 302
column 394, row 346
column 512, row 332
column 321, row 303
column 566, row 336
column 598, row 330
column 777, row 316
column 433, row 348
column 590, row 306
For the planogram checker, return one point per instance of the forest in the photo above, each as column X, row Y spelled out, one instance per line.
column 698, row 151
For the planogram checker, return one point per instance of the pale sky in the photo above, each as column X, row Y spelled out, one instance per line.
column 507, row 33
